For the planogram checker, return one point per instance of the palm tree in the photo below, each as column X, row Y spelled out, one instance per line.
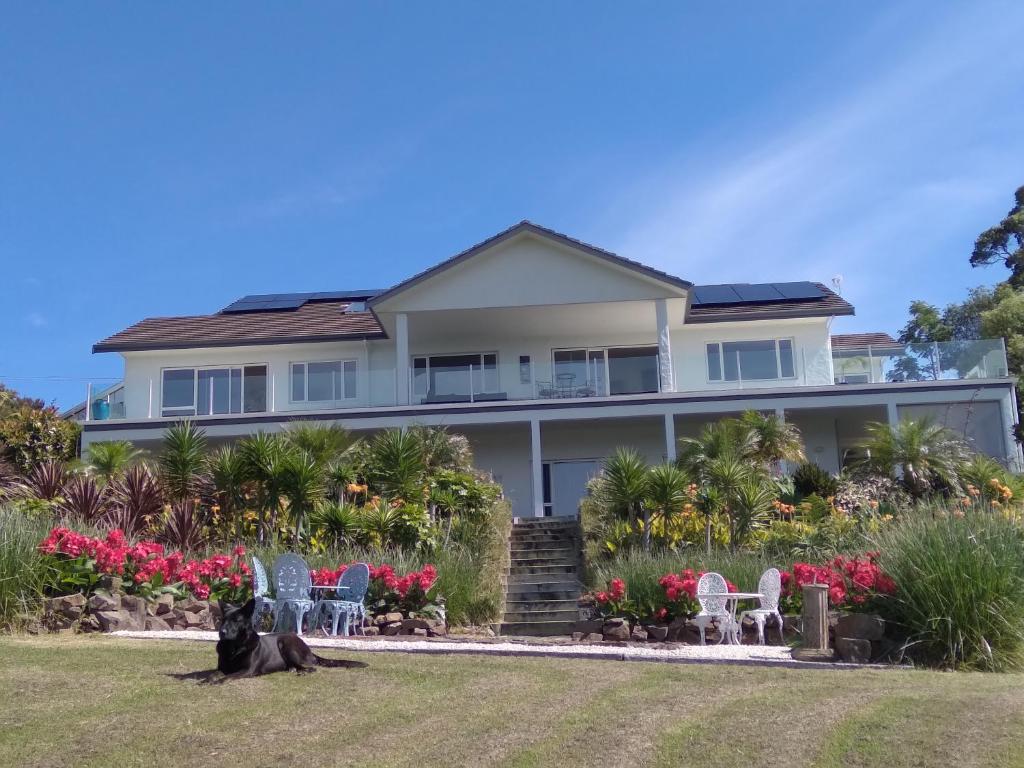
column 623, row 486
column 750, row 508
column 727, row 437
column 183, row 461
column 926, row 455
column 337, row 519
column 107, row 460
column 324, row 443
column 228, row 475
column 304, row 483
column 775, row 439
column 397, row 464
column 263, row 457
column 441, row 449
column 667, row 491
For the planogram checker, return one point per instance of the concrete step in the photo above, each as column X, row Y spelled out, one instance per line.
column 527, row 581
column 524, row 616
column 535, row 628
column 547, row 524
column 539, row 604
column 543, row 596
column 538, row 570
column 544, row 551
column 552, row 558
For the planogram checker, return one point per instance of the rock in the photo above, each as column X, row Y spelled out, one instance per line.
column 639, row 635
column 409, row 625
column 135, row 606
column 156, row 624
column 436, row 627
column 677, row 631
column 588, row 626
column 114, row 621
column 89, row 623
column 101, row 600
column 656, row 633
column 164, row 604
column 860, row 626
column 393, row 628
column 593, row 637
column 577, row 636
column 191, row 605
column 854, row 650
column 371, row 631
column 615, row 629
column 70, row 606
column 112, row 584
column 419, row 632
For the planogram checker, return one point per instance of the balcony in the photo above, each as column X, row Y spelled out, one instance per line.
column 934, row 361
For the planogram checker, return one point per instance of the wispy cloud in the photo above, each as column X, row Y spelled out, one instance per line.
column 871, row 183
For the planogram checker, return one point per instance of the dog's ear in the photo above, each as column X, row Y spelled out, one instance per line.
column 226, row 608
column 249, row 607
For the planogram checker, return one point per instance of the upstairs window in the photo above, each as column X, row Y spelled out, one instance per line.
column 323, row 381
column 213, row 391
column 751, row 360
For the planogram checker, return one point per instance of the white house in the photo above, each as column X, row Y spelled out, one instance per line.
column 548, row 353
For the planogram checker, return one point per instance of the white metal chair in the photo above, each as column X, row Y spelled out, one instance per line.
column 713, row 609
column 770, row 586
column 348, row 604
column 260, row 593
column 292, row 585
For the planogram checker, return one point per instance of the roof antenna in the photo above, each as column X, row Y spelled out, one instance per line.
column 837, row 283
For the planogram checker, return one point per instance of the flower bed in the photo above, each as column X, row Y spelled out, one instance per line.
column 389, row 593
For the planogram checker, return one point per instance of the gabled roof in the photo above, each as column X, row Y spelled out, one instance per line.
column 827, row 304
column 313, row 321
column 543, row 232
column 861, row 341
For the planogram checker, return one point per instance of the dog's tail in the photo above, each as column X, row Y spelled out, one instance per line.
column 324, row 662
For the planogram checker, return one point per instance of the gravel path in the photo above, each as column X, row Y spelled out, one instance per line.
column 767, row 655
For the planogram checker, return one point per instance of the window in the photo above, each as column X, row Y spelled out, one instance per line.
column 751, row 360
column 611, row 371
column 212, row 391
column 454, row 378
column 323, row 381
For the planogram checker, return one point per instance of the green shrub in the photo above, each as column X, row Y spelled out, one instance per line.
column 809, row 478
column 22, row 571
column 959, row 588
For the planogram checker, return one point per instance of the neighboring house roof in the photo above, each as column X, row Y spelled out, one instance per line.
column 312, row 321
column 846, row 341
column 827, row 304
column 544, row 232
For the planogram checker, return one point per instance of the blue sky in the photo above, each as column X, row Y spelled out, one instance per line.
column 166, row 159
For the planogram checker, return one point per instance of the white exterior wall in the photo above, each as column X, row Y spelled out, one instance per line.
column 812, row 353
column 143, row 368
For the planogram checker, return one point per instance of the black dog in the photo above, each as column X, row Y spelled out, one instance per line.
column 242, row 652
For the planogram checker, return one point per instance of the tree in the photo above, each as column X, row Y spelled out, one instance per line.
column 624, row 486
column 263, row 456
column 30, row 435
column 109, row 459
column 183, row 461
column 925, row 455
column 775, row 440
column 1004, row 243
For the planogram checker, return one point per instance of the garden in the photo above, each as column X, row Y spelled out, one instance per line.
column 921, row 537
column 122, row 539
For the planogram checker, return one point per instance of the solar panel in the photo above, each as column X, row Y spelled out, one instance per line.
column 801, row 290
column 758, row 292
column 715, row 294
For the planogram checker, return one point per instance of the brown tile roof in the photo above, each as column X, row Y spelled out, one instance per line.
column 863, row 340
column 829, row 305
column 314, row 321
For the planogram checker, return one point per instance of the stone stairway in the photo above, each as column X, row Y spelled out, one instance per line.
column 543, row 579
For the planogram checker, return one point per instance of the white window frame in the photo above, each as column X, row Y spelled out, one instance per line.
column 345, row 394
column 604, row 357
column 426, row 356
column 739, row 370
column 194, row 407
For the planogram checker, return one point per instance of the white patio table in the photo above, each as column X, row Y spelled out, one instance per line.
column 732, row 600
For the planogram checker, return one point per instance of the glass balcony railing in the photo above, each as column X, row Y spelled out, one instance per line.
column 941, row 361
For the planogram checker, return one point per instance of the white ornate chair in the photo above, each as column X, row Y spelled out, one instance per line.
column 292, row 585
column 713, row 609
column 770, row 586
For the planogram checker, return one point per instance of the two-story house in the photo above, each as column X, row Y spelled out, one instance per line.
column 548, row 353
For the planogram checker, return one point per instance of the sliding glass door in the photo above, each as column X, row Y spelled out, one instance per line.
column 454, row 378
column 605, row 371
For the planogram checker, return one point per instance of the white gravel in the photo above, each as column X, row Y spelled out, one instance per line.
column 768, row 655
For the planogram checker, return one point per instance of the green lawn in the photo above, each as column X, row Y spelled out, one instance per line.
column 95, row 701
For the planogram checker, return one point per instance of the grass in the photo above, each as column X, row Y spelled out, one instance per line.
column 98, row 701
column 22, row 574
